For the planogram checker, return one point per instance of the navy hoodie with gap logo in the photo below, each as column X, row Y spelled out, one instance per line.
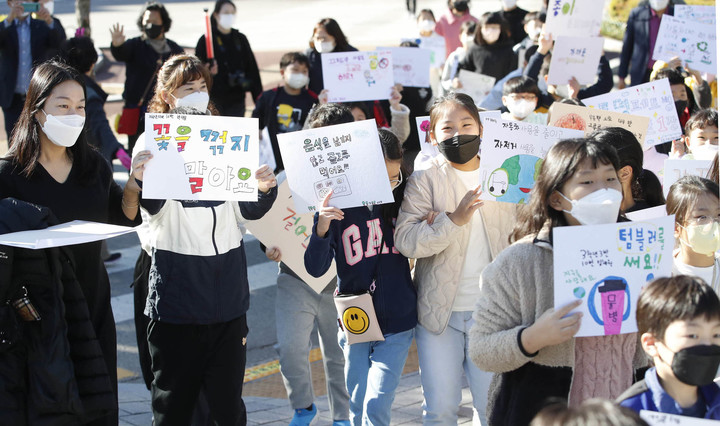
column 363, row 247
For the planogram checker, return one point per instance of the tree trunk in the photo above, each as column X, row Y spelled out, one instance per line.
column 82, row 15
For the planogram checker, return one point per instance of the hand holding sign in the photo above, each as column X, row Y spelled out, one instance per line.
column 138, row 164
column 326, row 215
column 266, row 178
column 552, row 328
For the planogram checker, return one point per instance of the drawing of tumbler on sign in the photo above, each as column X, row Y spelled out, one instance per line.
column 606, row 266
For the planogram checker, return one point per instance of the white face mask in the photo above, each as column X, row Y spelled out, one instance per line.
column 468, row 39
column 50, row 6
column 705, row 152
column 227, row 20
column 63, row 130
column 195, row 100
column 297, row 80
column 491, row 35
column 520, row 108
column 658, row 4
column 534, row 33
column 325, row 46
column 508, row 4
column 703, row 239
column 597, row 208
column 426, row 26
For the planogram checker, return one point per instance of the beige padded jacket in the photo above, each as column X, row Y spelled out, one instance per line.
column 440, row 248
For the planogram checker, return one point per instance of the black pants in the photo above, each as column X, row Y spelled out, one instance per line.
column 188, row 358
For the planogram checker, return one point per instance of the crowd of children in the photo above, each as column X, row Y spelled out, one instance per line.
column 470, row 281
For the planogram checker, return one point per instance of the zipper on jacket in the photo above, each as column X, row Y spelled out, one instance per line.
column 213, row 230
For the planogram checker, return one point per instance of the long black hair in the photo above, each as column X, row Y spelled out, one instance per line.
column 25, row 140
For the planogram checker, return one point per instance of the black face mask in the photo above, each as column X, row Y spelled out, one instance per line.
column 153, row 31
column 460, row 6
column 460, row 149
column 680, row 107
column 696, row 365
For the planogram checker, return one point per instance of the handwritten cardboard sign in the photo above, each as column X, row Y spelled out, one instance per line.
column 576, row 18
column 358, row 76
column 693, row 42
column 653, row 418
column 675, row 169
column 591, row 119
column 512, row 153
column 346, row 159
column 653, row 100
column 606, row 266
column 435, row 44
column 696, row 13
column 575, row 57
column 289, row 230
column 411, row 66
column 477, row 86
column 201, row 157
column 65, row 234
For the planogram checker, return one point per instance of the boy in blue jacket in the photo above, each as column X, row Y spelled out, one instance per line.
column 678, row 319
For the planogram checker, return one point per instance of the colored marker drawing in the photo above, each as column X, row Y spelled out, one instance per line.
column 514, row 179
column 615, row 301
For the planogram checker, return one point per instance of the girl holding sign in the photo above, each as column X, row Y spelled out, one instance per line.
column 517, row 333
column 327, row 37
column 451, row 250
column 360, row 240
column 694, row 202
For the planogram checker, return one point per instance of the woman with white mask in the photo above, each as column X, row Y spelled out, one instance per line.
column 491, row 53
column 51, row 164
column 327, row 37
column 234, row 68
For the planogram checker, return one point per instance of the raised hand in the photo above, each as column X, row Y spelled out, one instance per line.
column 467, row 207
column 326, row 215
column 266, row 178
column 117, row 33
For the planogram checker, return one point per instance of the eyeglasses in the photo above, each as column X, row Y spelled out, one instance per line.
column 516, row 97
column 703, row 220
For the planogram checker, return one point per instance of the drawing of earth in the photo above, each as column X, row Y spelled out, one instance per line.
column 514, row 179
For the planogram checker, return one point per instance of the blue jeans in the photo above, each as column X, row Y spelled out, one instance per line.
column 372, row 373
column 443, row 358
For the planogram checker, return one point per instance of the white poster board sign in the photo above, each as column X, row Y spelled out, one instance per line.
column 653, row 100
column 591, row 119
column 65, row 234
column 575, row 57
column 201, row 157
column 696, row 13
column 346, row 159
column 477, row 86
column 575, row 18
column 653, row 418
column 646, row 214
column 357, row 76
column 284, row 227
column 435, row 44
column 675, row 169
column 411, row 66
column 606, row 266
column 512, row 153
column 691, row 41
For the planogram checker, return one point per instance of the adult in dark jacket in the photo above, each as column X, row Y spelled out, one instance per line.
column 515, row 16
column 327, row 37
column 52, row 372
column 19, row 30
column 80, row 53
column 492, row 53
column 639, row 40
column 237, row 71
column 50, row 164
column 143, row 57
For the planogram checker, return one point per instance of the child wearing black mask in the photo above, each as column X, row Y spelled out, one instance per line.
column 679, row 322
column 453, row 235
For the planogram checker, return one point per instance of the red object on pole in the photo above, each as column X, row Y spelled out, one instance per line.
column 208, row 37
